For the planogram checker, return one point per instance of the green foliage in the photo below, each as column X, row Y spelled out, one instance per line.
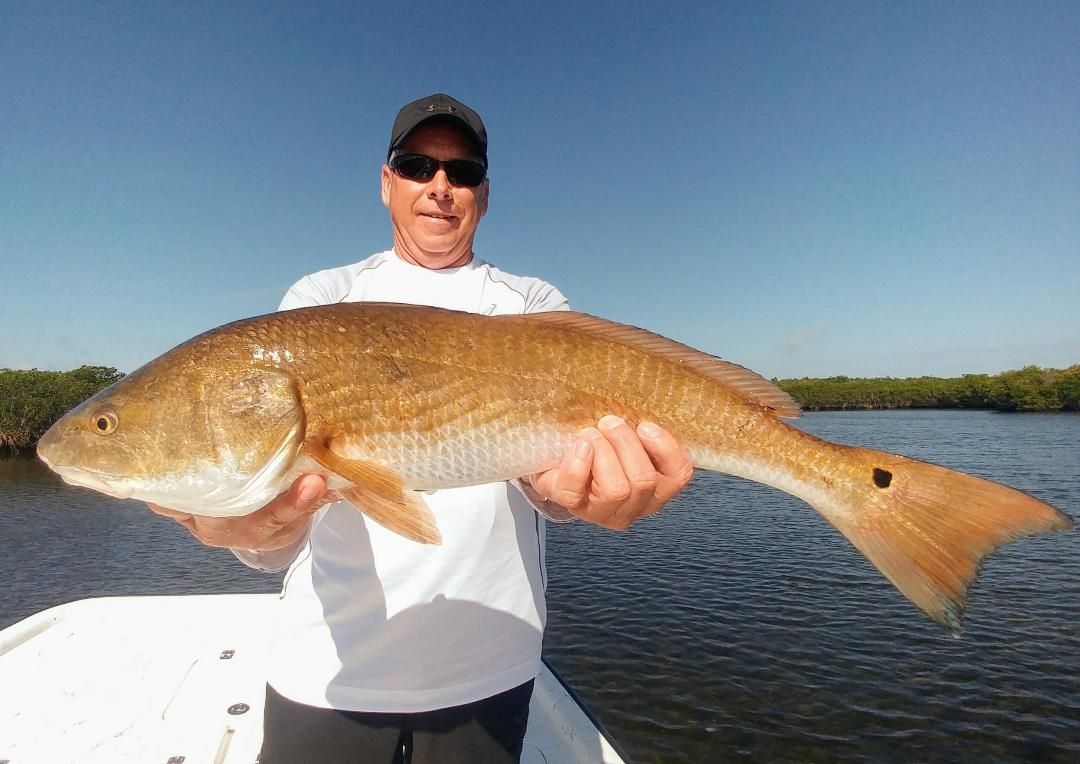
column 1027, row 389
column 1069, row 388
column 30, row 401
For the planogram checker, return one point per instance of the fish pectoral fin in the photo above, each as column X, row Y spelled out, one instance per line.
column 407, row 516
column 379, row 492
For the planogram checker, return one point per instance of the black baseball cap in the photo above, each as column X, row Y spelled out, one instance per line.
column 438, row 106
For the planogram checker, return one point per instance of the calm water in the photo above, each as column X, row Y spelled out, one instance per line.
column 735, row 625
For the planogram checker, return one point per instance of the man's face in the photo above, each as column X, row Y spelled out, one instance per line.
column 434, row 221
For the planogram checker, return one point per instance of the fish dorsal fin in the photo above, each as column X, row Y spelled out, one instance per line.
column 732, row 376
column 380, row 494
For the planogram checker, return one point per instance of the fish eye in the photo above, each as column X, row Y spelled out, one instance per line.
column 103, row 422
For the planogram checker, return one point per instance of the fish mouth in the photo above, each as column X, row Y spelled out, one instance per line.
column 93, row 480
column 51, row 444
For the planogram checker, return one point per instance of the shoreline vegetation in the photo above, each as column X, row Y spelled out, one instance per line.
column 1028, row 389
column 31, row 400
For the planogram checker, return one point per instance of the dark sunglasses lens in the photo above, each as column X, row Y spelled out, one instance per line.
column 416, row 167
column 462, row 172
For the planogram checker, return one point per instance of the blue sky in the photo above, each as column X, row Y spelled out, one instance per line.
column 807, row 189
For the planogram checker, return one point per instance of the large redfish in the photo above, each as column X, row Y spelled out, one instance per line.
column 388, row 400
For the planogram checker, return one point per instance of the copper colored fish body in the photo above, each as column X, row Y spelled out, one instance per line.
column 391, row 399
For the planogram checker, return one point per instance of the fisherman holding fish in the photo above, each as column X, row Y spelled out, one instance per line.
column 383, row 642
column 412, row 613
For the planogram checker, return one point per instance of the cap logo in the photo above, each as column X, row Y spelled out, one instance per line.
column 431, row 107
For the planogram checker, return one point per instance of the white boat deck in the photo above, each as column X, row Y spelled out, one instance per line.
column 181, row 680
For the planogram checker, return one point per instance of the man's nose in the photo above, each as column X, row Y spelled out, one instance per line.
column 439, row 188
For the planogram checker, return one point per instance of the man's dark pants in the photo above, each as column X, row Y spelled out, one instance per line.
column 487, row 731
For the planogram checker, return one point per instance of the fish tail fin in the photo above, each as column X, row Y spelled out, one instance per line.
column 927, row 528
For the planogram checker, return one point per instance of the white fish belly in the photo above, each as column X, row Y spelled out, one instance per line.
column 450, row 457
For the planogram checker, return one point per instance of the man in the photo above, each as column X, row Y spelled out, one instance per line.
column 386, row 647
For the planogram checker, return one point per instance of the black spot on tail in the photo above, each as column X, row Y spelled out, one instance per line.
column 882, row 478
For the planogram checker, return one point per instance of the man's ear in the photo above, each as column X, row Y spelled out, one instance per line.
column 482, row 202
column 386, row 179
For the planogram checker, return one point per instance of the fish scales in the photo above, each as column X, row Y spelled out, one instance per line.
column 388, row 399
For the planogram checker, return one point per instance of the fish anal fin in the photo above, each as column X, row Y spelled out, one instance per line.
column 930, row 527
column 379, row 493
column 730, row 375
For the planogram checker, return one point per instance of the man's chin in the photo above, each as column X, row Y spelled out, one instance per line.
column 437, row 258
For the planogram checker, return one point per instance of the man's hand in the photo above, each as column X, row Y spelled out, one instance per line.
column 613, row 476
column 278, row 525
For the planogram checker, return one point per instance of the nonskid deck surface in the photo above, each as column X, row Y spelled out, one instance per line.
column 154, row 679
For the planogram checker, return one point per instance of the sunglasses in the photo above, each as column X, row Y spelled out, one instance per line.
column 460, row 172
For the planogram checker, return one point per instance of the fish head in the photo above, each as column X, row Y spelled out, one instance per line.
column 187, row 431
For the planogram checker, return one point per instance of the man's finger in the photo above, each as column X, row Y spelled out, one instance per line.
column 623, row 485
column 609, row 499
column 609, row 484
column 569, row 485
column 673, row 465
column 308, row 489
column 307, row 494
column 636, row 465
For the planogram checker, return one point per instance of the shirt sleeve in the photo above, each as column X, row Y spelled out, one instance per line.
column 545, row 299
column 270, row 562
column 323, row 288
